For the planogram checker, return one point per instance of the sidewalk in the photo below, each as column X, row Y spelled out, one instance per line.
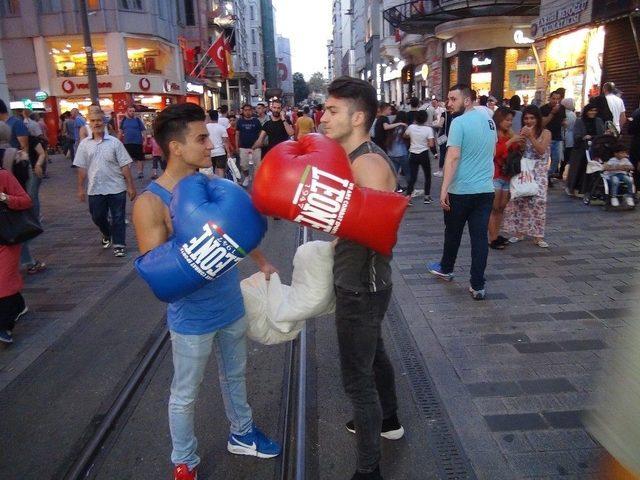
column 515, row 371
column 79, row 271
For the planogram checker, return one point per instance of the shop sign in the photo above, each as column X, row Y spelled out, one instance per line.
column 170, row 86
column 195, row 88
column 69, row 87
column 144, row 84
column 480, row 62
column 560, row 18
column 522, row 79
column 41, row 95
column 520, row 38
column 450, row 47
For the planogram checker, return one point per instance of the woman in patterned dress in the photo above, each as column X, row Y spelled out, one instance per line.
column 527, row 215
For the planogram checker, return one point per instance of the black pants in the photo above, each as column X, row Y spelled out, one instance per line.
column 417, row 160
column 443, row 154
column 100, row 206
column 475, row 210
column 10, row 307
column 367, row 373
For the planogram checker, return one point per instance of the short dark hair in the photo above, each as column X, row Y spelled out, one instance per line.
column 305, row 110
column 608, row 87
column 276, row 100
column 515, row 102
column 361, row 94
column 224, row 109
column 247, row 105
column 421, row 117
column 3, row 107
column 414, row 102
column 483, row 100
column 383, row 105
column 213, row 115
column 464, row 89
column 172, row 122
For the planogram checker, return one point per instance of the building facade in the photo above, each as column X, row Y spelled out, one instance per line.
column 285, row 74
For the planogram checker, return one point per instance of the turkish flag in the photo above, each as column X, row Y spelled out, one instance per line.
column 218, row 53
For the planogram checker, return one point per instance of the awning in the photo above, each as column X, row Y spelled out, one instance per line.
column 423, row 16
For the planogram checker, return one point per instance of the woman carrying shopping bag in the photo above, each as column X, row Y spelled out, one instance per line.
column 526, row 215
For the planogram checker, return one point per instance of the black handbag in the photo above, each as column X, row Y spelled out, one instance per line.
column 511, row 166
column 18, row 226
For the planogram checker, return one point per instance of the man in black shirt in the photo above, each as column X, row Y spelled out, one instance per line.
column 277, row 130
column 382, row 126
column 553, row 119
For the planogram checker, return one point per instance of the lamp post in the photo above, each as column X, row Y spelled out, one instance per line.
column 88, row 50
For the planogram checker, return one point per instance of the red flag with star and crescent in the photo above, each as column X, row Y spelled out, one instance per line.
column 218, row 53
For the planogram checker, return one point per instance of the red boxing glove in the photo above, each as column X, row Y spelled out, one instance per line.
column 310, row 182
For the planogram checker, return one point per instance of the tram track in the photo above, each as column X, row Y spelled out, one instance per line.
column 97, row 445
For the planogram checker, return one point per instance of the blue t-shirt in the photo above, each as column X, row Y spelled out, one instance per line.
column 217, row 304
column 475, row 133
column 18, row 129
column 249, row 131
column 132, row 129
column 78, row 123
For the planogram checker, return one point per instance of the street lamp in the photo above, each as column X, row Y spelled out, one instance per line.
column 88, row 50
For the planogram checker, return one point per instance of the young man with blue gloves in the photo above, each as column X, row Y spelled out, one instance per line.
column 466, row 195
column 211, row 318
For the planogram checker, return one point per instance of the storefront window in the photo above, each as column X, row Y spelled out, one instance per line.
column 481, row 73
column 574, row 62
column 148, row 57
column 453, row 71
column 69, row 59
column 82, row 104
column 520, row 74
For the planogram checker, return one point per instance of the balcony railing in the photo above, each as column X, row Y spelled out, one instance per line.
column 423, row 16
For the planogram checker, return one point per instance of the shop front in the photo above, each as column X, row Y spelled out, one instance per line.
column 131, row 71
column 392, row 88
column 492, row 55
column 570, row 48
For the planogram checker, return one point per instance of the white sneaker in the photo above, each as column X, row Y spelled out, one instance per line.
column 630, row 202
column 245, row 182
column 439, row 173
column 615, row 202
column 417, row 193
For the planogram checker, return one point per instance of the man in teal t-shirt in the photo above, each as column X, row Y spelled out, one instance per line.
column 467, row 188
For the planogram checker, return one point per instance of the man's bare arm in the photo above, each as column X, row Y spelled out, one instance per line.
column 148, row 222
column 372, row 171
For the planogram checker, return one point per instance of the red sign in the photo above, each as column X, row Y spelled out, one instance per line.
column 144, row 84
column 69, row 87
column 169, row 86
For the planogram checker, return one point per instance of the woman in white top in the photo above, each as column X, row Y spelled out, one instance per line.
column 422, row 139
column 567, row 130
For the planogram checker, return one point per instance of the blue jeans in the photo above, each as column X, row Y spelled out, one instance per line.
column 190, row 356
column 401, row 163
column 556, row 156
column 616, row 179
column 475, row 210
column 33, row 190
column 100, row 206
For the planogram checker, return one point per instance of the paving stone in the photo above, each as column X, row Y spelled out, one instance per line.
column 566, row 419
column 494, row 389
column 518, row 421
column 575, row 345
column 552, row 301
column 515, row 442
column 611, row 313
column 551, row 440
column 531, row 317
column 546, row 385
column 53, row 307
column 490, row 405
column 543, row 464
column 571, row 315
column 505, row 338
column 537, row 347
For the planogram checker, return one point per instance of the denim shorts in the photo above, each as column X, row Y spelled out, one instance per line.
column 501, row 184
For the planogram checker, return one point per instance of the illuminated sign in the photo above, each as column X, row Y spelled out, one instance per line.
column 195, row 88
column 477, row 62
column 41, row 95
column 450, row 47
column 520, row 38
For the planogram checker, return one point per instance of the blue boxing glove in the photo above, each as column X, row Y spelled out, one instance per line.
column 215, row 226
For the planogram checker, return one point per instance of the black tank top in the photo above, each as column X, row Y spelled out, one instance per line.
column 359, row 268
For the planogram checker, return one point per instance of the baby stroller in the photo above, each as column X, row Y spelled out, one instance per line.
column 597, row 183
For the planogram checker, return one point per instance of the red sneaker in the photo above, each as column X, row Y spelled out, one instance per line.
column 182, row 472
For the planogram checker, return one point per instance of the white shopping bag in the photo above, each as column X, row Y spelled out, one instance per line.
column 276, row 313
column 524, row 184
column 231, row 162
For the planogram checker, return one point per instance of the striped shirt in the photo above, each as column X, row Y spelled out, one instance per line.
column 103, row 160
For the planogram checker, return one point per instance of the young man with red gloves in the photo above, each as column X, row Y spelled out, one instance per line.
column 362, row 279
column 212, row 317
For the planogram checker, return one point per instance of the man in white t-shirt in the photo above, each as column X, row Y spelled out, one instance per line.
column 616, row 105
column 435, row 111
column 222, row 116
column 220, row 139
column 422, row 139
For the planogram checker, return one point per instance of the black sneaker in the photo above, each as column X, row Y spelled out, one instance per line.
column 391, row 428
column 106, row 242
column 23, row 312
column 428, row 200
column 502, row 240
column 119, row 252
column 375, row 475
